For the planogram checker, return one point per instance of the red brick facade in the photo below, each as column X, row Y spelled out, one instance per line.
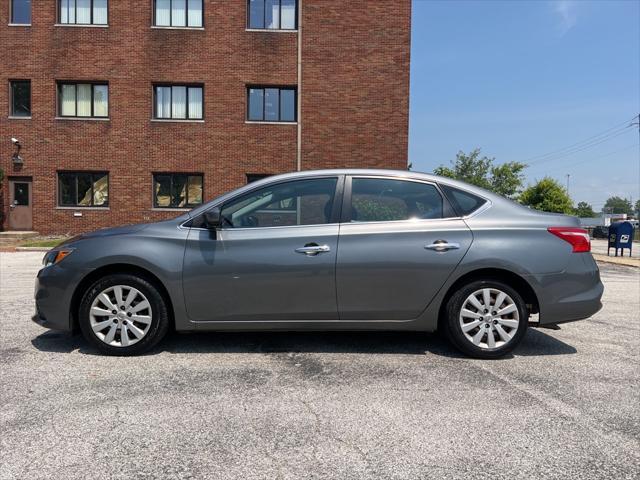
column 354, row 100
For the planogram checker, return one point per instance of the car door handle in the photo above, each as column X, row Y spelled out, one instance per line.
column 442, row 246
column 311, row 249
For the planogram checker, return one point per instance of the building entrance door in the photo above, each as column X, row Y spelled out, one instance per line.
column 20, row 204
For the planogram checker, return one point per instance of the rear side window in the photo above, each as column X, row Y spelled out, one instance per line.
column 464, row 203
column 385, row 200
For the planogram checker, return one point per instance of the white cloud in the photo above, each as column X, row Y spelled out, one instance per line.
column 566, row 10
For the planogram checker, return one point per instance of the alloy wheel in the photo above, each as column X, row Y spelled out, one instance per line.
column 489, row 318
column 120, row 316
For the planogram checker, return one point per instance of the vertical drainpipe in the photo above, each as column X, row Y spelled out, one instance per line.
column 299, row 90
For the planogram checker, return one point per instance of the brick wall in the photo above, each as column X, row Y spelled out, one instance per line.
column 354, row 100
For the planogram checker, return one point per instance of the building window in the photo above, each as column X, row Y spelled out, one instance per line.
column 83, row 100
column 20, row 98
column 82, row 12
column 254, row 177
column 178, row 13
column 271, row 104
column 178, row 102
column 83, row 189
column 272, row 14
column 177, row 190
column 21, row 12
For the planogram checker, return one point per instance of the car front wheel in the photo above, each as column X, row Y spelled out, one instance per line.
column 486, row 319
column 123, row 314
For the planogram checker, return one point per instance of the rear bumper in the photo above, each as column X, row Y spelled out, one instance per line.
column 574, row 294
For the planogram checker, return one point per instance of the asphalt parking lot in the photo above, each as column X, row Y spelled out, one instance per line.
column 343, row 405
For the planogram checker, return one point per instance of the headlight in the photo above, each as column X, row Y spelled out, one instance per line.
column 55, row 256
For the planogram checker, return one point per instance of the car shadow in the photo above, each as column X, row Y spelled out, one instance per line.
column 536, row 343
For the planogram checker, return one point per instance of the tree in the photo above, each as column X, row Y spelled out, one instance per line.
column 618, row 205
column 506, row 179
column 584, row 210
column 547, row 195
column 470, row 168
column 637, row 208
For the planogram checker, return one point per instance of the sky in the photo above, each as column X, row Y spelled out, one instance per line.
column 553, row 84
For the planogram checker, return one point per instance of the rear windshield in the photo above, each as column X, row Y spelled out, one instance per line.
column 463, row 202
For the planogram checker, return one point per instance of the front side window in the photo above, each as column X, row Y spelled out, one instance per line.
column 271, row 104
column 272, row 14
column 83, row 100
column 177, row 190
column 302, row 202
column 21, row 12
column 180, row 102
column 82, row 12
column 20, row 98
column 178, row 13
column 384, row 200
column 83, row 189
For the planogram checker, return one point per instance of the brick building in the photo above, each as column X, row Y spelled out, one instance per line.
column 132, row 111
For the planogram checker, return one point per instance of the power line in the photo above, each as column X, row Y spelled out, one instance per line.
column 582, row 148
column 624, row 124
column 628, row 147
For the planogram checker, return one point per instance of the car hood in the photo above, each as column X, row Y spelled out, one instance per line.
column 106, row 232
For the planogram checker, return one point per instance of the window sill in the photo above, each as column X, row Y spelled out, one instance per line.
column 259, row 122
column 83, row 119
column 19, row 24
column 14, row 117
column 82, row 209
column 160, row 27
column 80, row 25
column 175, row 120
column 172, row 209
column 270, row 30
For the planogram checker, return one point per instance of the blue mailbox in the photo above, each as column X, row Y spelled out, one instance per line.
column 620, row 236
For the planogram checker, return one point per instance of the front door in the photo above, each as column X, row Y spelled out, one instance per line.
column 20, row 204
column 399, row 243
column 273, row 259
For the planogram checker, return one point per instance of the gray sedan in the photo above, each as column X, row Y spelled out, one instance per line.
column 328, row 250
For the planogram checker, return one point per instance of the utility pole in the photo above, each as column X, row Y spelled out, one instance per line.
column 568, row 175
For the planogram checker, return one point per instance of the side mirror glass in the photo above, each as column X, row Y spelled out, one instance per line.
column 212, row 218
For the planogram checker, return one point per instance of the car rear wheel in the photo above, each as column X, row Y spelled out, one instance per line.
column 123, row 314
column 486, row 319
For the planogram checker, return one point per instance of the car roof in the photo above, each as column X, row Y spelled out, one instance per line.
column 408, row 174
column 405, row 174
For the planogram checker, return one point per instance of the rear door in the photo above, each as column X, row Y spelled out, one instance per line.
column 273, row 260
column 399, row 242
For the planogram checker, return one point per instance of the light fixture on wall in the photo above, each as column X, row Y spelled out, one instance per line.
column 16, row 158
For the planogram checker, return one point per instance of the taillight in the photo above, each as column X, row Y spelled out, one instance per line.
column 577, row 237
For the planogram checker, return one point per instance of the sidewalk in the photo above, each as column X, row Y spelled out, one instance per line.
column 599, row 251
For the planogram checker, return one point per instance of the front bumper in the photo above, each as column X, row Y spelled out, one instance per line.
column 54, row 289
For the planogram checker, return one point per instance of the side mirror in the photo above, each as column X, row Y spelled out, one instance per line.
column 212, row 218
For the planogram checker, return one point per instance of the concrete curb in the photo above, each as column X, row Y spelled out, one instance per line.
column 33, row 249
column 626, row 261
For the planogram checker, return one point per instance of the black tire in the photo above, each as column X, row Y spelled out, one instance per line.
column 453, row 330
column 159, row 319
